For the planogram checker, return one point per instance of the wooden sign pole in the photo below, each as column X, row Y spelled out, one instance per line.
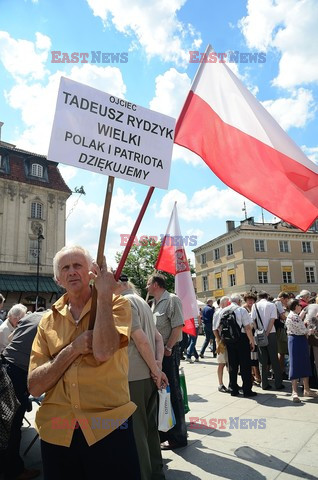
column 133, row 234
column 101, row 245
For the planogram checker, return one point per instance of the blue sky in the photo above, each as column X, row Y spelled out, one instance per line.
column 158, row 35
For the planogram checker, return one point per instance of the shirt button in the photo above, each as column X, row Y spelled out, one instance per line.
column 75, row 406
column 73, row 384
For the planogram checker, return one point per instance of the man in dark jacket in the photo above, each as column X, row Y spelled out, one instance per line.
column 16, row 357
column 207, row 318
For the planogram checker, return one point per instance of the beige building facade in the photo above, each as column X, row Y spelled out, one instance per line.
column 256, row 256
column 33, row 195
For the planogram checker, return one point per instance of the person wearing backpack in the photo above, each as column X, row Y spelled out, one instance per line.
column 236, row 333
column 264, row 314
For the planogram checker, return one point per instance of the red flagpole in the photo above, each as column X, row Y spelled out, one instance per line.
column 133, row 234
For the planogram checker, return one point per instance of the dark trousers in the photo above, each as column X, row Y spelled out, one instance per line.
column 191, row 350
column 144, row 394
column 208, row 332
column 115, row 456
column 13, row 464
column 267, row 355
column 170, row 366
column 239, row 355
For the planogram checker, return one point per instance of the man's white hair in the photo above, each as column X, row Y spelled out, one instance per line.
column 224, row 301
column 17, row 311
column 71, row 249
column 236, row 298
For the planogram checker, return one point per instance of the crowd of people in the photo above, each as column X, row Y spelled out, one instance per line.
column 99, row 399
column 290, row 328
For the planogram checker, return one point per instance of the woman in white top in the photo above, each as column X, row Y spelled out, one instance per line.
column 299, row 362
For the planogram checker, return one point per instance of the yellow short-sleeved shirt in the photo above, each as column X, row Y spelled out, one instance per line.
column 92, row 394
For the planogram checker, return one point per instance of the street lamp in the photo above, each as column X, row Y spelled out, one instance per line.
column 40, row 238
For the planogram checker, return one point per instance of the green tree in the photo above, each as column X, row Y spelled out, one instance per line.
column 140, row 264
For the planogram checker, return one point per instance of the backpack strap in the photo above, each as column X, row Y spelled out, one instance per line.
column 258, row 317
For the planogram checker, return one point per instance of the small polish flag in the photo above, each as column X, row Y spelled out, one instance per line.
column 172, row 259
column 223, row 123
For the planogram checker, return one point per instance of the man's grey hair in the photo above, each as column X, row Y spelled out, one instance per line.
column 71, row 249
column 17, row 311
column 224, row 301
column 236, row 298
column 304, row 293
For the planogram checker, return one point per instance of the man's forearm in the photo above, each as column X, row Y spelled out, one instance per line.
column 174, row 336
column 159, row 347
column 217, row 335
column 248, row 331
column 270, row 326
column 44, row 377
column 105, row 336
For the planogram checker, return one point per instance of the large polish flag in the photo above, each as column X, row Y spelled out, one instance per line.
column 172, row 259
column 223, row 123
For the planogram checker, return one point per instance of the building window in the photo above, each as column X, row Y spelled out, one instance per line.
column 232, row 281
column 203, row 258
column 306, row 247
column 259, row 245
column 287, row 277
column 205, row 283
column 36, row 170
column 4, row 163
column 262, row 277
column 33, row 252
column 310, row 274
column 218, row 283
column 283, row 246
column 36, row 210
column 229, row 248
column 216, row 254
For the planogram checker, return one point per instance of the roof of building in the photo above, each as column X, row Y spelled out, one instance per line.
column 17, row 169
column 249, row 225
column 28, row 283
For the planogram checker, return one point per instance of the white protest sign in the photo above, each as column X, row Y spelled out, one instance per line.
column 105, row 134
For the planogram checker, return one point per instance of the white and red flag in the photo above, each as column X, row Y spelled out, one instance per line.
column 223, row 123
column 172, row 259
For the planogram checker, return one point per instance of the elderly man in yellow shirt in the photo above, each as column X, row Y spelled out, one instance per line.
column 84, row 420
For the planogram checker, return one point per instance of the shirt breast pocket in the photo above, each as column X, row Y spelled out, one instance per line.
column 159, row 318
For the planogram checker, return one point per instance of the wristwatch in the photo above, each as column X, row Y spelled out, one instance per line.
column 168, row 348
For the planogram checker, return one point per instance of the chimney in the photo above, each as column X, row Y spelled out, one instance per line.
column 1, row 125
column 230, row 225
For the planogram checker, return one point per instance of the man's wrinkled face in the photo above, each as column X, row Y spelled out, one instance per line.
column 73, row 271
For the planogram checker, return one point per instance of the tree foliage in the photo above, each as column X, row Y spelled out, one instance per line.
column 140, row 264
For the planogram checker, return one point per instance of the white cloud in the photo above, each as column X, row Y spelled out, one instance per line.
column 205, row 204
column 67, row 172
column 290, row 27
column 22, row 58
column 84, row 223
column 294, row 111
column 153, row 24
column 36, row 101
column 172, row 88
column 311, row 152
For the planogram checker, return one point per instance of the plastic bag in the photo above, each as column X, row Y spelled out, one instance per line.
column 184, row 391
column 166, row 418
